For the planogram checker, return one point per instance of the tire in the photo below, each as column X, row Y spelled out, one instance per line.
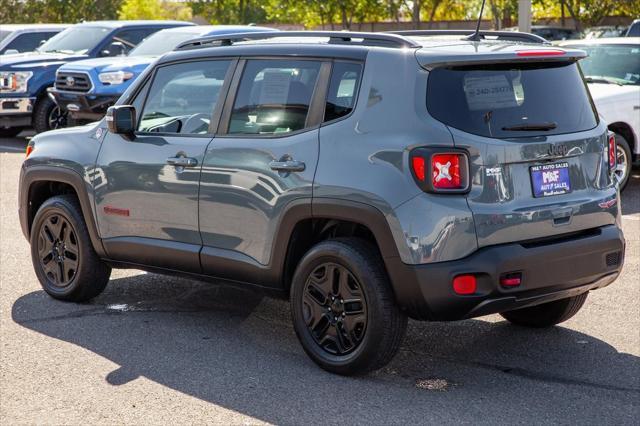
column 546, row 314
column 363, row 333
column 10, row 132
column 82, row 275
column 624, row 158
column 48, row 116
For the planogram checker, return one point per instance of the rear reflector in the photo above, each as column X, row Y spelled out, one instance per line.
column 547, row 52
column 464, row 284
column 511, row 280
column 445, row 170
column 612, row 152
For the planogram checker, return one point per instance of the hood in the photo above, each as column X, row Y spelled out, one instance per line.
column 35, row 59
column 605, row 93
column 136, row 63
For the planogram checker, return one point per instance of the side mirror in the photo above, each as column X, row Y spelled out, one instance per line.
column 121, row 120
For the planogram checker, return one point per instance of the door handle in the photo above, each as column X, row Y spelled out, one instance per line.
column 182, row 161
column 287, row 166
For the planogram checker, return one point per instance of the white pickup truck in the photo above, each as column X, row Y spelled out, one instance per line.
column 612, row 72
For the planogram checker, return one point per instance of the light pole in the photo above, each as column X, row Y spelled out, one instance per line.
column 524, row 16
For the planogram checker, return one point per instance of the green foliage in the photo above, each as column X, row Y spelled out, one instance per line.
column 51, row 11
column 154, row 9
column 335, row 14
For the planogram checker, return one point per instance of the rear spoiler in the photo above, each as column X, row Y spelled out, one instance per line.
column 436, row 57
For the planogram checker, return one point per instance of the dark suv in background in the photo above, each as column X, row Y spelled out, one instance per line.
column 24, row 79
column 366, row 177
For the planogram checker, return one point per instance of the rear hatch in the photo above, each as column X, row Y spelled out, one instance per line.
column 537, row 149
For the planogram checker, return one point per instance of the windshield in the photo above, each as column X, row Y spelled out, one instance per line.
column 75, row 40
column 4, row 34
column 161, row 42
column 613, row 63
column 511, row 100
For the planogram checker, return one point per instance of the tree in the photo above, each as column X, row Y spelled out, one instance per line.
column 154, row 9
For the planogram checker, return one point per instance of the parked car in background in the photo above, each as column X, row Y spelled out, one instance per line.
column 552, row 33
column 612, row 72
column 21, row 38
column 605, row 31
column 108, row 78
column 634, row 29
column 24, row 78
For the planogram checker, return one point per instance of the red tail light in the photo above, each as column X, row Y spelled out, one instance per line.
column 29, row 150
column 440, row 170
column 612, row 152
column 445, row 171
column 418, row 167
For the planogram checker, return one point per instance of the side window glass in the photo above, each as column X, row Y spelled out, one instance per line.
column 343, row 90
column 273, row 97
column 182, row 97
column 124, row 41
column 29, row 41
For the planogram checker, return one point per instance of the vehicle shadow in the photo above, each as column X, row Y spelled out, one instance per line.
column 630, row 198
column 236, row 349
column 16, row 144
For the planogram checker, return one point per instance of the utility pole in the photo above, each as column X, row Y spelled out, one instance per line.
column 524, row 16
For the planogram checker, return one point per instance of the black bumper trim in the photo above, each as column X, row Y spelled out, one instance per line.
column 91, row 106
column 549, row 272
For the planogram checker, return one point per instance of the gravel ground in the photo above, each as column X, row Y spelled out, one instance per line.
column 154, row 349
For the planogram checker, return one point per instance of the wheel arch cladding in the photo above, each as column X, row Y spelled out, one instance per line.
column 38, row 183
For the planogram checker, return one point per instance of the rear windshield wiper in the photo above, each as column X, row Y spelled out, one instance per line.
column 531, row 127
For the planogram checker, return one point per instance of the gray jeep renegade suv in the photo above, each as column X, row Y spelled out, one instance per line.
column 367, row 177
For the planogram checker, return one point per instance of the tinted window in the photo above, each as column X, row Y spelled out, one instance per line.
column 273, row 97
column 634, row 30
column 343, row 88
column 508, row 100
column 128, row 39
column 182, row 97
column 29, row 41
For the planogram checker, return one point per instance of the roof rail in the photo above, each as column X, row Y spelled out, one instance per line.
column 335, row 37
column 499, row 35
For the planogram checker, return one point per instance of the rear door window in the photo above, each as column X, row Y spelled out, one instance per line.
column 274, row 97
column 511, row 100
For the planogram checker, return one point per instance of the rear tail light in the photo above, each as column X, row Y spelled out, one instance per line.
column 29, row 150
column 611, row 148
column 440, row 170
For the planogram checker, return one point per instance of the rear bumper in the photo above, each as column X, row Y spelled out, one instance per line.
column 84, row 106
column 551, row 270
column 16, row 112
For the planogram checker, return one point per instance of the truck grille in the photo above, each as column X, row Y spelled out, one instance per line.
column 73, row 82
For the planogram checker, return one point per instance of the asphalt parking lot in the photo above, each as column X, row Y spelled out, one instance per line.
column 154, row 349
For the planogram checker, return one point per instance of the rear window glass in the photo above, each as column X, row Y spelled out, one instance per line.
column 507, row 100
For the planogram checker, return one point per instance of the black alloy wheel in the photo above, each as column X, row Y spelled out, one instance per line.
column 58, row 250
column 335, row 309
column 57, row 118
